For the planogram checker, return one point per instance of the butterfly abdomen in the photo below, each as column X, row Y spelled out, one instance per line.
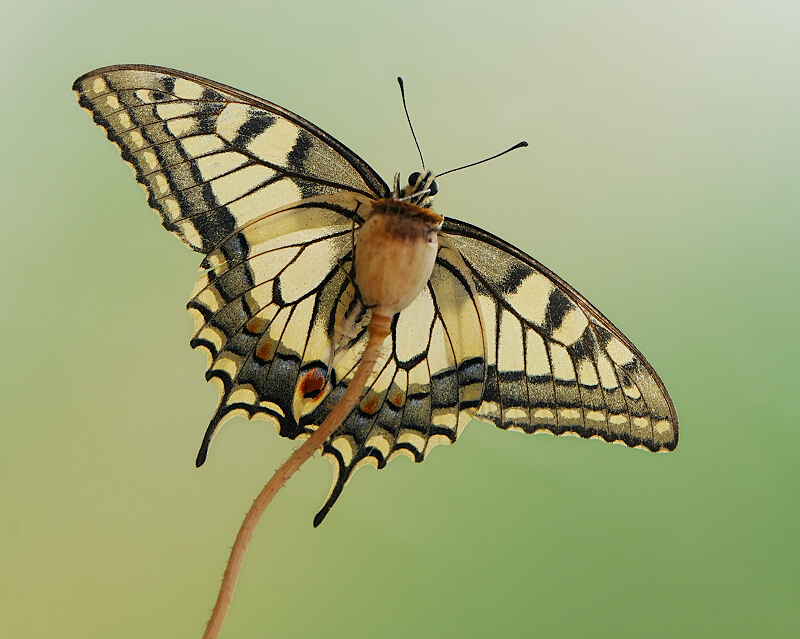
column 395, row 254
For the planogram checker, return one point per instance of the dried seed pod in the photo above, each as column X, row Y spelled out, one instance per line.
column 395, row 254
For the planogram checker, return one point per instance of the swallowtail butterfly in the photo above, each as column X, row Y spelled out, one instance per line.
column 275, row 204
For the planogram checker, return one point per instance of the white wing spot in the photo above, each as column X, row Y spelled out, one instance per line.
column 209, row 298
column 345, row 448
column 187, row 89
column 212, row 166
column 228, row 365
column 274, row 408
column 401, row 451
column 632, row 391
column 212, row 334
column 536, row 362
column 410, row 437
column 531, row 298
column 515, row 414
column 159, row 184
column 135, row 140
column 381, row 443
column 145, row 96
column 181, row 127
column 571, row 328
column 562, row 363
column 606, row 370
column 663, row 428
column 190, row 234
column 99, row 86
column 171, row 208
column 199, row 322
column 149, row 159
column 198, row 145
column 243, row 395
column 618, row 352
column 445, row 420
column 112, row 102
column 586, row 373
column 170, row 110
column 230, row 119
column 510, row 351
column 274, row 144
column 436, row 440
column 123, row 121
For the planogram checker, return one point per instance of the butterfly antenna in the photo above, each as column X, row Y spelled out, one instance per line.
column 519, row 145
column 410, row 126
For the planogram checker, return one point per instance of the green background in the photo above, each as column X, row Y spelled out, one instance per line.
column 662, row 181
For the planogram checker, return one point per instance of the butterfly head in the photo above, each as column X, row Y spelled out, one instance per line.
column 420, row 190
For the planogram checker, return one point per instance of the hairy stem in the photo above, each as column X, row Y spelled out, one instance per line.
column 378, row 329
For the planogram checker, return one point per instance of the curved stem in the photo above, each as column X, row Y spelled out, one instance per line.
column 378, row 329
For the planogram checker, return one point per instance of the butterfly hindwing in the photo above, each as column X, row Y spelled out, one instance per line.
column 212, row 157
column 275, row 322
column 266, row 312
column 427, row 386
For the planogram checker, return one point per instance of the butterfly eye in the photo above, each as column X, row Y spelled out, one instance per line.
column 412, row 179
column 433, row 187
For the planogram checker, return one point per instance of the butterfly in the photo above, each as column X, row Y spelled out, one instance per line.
column 275, row 204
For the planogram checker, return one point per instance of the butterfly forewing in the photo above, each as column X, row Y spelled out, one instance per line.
column 276, row 204
column 555, row 363
column 212, row 158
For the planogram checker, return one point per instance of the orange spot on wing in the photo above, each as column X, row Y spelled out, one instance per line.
column 371, row 404
column 396, row 397
column 266, row 349
column 312, row 383
column 256, row 325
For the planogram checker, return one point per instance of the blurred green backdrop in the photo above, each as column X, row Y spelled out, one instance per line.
column 662, row 181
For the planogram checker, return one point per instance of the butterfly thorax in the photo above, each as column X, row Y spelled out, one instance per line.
column 395, row 254
column 408, row 216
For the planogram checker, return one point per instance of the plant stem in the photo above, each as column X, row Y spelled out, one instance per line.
column 378, row 329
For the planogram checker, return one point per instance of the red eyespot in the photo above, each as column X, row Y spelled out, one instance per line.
column 312, row 383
